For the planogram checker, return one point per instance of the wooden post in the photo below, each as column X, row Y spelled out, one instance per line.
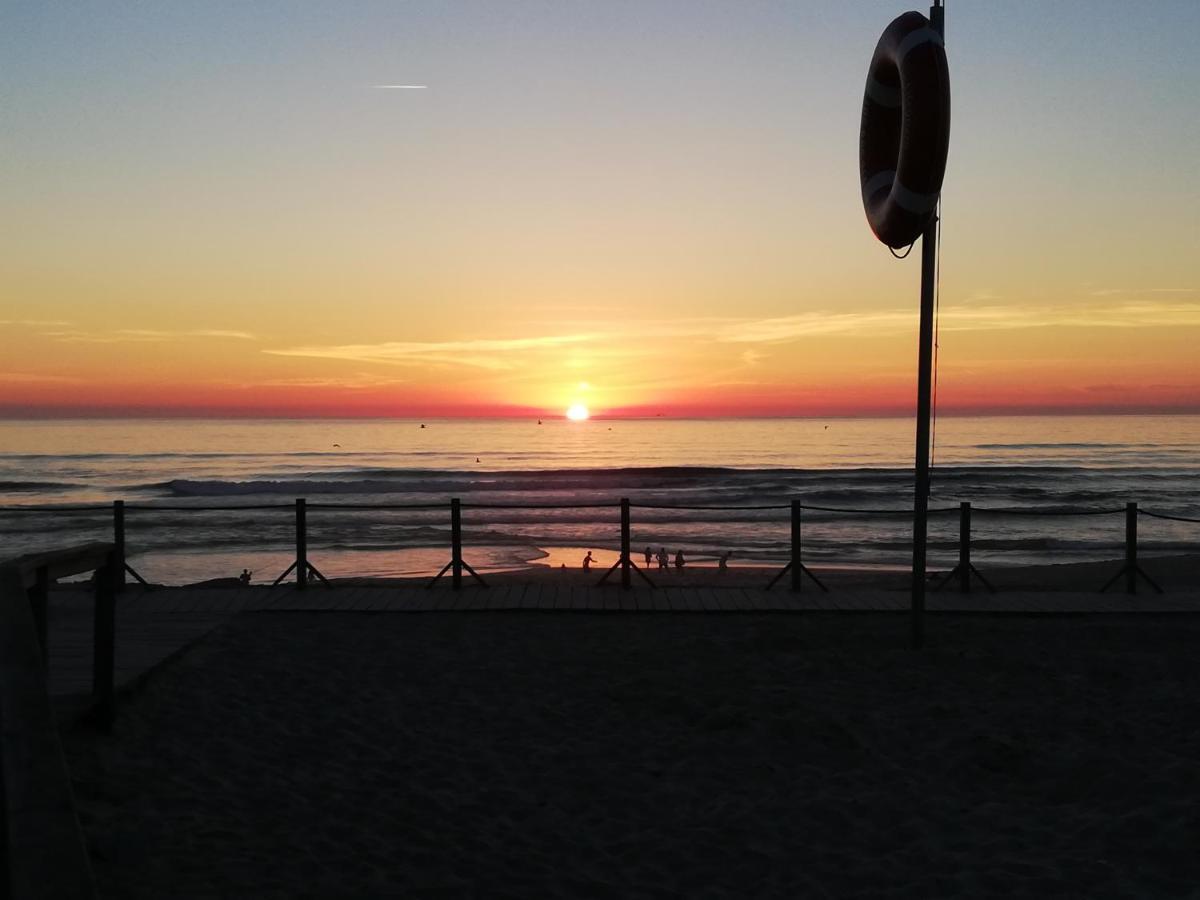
column 797, row 569
column 456, row 559
column 1131, row 541
column 104, row 638
column 626, row 580
column 301, row 544
column 119, row 542
column 964, row 547
column 39, row 598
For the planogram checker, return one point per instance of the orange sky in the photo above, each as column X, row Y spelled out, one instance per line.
column 646, row 210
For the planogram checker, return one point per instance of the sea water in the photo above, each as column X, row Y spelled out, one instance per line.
column 1014, row 470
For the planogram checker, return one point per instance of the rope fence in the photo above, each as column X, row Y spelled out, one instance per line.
column 964, row 571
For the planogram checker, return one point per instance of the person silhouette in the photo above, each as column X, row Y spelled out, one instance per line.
column 662, row 557
column 244, row 578
column 649, row 555
column 587, row 561
column 679, row 560
column 723, row 561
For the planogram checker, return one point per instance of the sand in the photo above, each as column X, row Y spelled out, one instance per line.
column 1174, row 573
column 537, row 755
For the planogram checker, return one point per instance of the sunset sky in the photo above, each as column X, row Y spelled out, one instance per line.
column 645, row 207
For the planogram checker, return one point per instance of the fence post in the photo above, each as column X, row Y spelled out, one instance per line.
column 301, row 544
column 1131, row 563
column 104, row 637
column 456, row 559
column 119, row 542
column 964, row 546
column 797, row 569
column 626, row 583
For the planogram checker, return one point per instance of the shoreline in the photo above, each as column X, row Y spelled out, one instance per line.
column 1172, row 573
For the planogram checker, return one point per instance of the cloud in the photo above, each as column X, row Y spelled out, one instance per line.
column 355, row 381
column 1148, row 314
column 36, row 378
column 136, row 335
column 645, row 337
column 481, row 354
column 812, row 324
column 37, row 323
column 400, row 87
column 1112, row 292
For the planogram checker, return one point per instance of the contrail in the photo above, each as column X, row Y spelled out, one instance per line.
column 400, row 87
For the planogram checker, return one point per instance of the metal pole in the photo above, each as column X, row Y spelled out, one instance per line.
column 456, row 561
column 119, row 541
column 626, row 581
column 797, row 569
column 1131, row 538
column 964, row 546
column 301, row 544
column 924, row 403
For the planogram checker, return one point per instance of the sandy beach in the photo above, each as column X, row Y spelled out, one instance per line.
column 761, row 755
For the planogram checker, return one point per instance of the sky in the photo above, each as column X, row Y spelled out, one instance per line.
column 644, row 207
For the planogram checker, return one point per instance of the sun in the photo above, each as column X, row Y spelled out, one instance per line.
column 577, row 412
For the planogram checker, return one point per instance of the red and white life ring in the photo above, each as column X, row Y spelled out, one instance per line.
column 905, row 131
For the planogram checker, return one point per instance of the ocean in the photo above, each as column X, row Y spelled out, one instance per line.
column 1014, row 470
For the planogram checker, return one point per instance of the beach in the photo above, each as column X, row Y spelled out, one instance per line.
column 591, row 755
column 207, row 499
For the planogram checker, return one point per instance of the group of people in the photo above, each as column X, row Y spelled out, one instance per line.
column 663, row 559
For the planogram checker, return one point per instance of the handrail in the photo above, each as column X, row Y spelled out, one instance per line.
column 43, row 852
column 60, row 563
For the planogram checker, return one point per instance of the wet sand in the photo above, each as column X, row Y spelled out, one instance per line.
column 463, row 755
column 1175, row 573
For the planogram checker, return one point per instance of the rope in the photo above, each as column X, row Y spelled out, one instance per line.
column 375, row 506
column 1146, row 512
column 1047, row 512
column 1028, row 511
column 903, row 255
column 688, row 506
column 147, row 508
column 541, row 506
column 878, row 512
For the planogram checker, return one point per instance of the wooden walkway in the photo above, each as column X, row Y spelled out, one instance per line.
column 154, row 625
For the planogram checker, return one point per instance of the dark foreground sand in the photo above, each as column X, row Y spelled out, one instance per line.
column 533, row 755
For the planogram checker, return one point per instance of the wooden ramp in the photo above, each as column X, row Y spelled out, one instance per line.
column 154, row 625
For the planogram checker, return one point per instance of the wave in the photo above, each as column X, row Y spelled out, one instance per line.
column 828, row 484
column 22, row 486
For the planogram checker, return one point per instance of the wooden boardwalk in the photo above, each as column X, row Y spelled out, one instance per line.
column 154, row 625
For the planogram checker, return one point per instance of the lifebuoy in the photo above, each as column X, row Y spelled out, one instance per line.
column 905, row 131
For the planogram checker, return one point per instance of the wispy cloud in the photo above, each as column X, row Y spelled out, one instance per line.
column 400, row 87
column 1114, row 292
column 37, row 378
column 358, row 380
column 137, row 335
column 811, row 324
column 37, row 323
column 1147, row 314
column 484, row 353
column 645, row 337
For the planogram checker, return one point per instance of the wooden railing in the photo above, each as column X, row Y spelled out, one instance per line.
column 44, row 854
